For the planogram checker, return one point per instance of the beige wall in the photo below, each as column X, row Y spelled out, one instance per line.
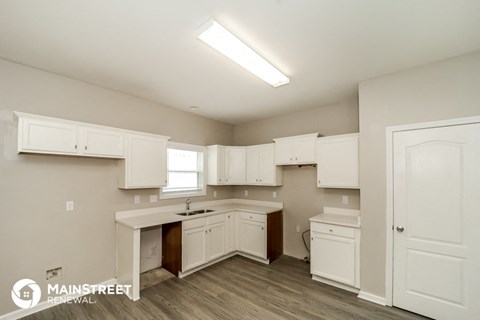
column 301, row 198
column 444, row 90
column 36, row 233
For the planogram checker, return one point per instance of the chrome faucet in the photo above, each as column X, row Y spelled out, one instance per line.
column 187, row 204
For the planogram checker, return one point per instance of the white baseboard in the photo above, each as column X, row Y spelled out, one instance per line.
column 372, row 298
column 20, row 313
column 189, row 272
column 335, row 284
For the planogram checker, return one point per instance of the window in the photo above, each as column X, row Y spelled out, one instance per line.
column 185, row 171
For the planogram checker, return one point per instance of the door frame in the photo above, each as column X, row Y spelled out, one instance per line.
column 389, row 188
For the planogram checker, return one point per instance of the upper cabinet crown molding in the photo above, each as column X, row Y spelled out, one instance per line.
column 337, row 161
column 296, row 150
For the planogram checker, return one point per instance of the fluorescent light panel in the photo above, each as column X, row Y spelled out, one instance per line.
column 222, row 40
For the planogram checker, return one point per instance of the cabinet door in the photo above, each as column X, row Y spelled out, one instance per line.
column 48, row 137
column 216, row 165
column 215, row 241
column 337, row 162
column 253, row 238
column 105, row 143
column 267, row 167
column 230, row 232
column 235, row 160
column 283, row 152
column 296, row 149
column 194, row 248
column 146, row 162
column 333, row 258
column 304, row 150
column 253, row 168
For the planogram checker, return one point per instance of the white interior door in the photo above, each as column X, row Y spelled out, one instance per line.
column 436, row 175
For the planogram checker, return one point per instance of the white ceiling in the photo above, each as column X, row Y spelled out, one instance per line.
column 148, row 48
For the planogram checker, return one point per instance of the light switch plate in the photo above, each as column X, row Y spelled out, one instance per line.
column 246, row 193
column 70, row 206
column 344, row 199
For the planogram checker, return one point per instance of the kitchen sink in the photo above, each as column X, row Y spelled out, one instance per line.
column 194, row 212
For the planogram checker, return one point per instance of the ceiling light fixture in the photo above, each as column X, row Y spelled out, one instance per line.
column 222, row 40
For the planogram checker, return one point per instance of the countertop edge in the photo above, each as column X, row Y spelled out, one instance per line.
column 172, row 217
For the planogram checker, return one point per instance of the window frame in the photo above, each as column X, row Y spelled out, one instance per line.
column 187, row 193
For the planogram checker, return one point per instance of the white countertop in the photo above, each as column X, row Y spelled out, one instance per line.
column 143, row 218
column 339, row 217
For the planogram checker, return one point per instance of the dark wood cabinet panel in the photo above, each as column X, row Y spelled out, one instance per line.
column 172, row 247
column 274, row 235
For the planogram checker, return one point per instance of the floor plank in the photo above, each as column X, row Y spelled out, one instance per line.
column 237, row 288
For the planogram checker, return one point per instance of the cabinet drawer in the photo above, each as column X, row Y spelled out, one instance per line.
column 216, row 219
column 194, row 223
column 333, row 230
column 253, row 217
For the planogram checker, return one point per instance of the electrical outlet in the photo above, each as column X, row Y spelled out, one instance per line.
column 153, row 251
column 53, row 273
column 246, row 193
column 69, row 205
column 344, row 199
column 153, row 198
column 136, row 199
column 214, row 194
column 274, row 194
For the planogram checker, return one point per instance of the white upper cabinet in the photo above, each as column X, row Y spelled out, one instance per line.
column 38, row 134
column 101, row 142
column 235, row 165
column 261, row 168
column 216, row 165
column 337, row 161
column 226, row 165
column 145, row 164
column 296, row 149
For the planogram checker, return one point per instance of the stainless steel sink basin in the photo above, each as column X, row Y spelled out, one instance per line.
column 192, row 213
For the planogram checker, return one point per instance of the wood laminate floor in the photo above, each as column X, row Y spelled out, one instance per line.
column 237, row 288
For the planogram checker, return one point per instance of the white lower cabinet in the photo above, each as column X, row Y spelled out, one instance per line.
column 209, row 238
column 253, row 234
column 335, row 253
column 194, row 251
column 231, row 234
column 215, row 233
column 204, row 240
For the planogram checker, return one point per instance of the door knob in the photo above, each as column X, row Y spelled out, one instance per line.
column 400, row 229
